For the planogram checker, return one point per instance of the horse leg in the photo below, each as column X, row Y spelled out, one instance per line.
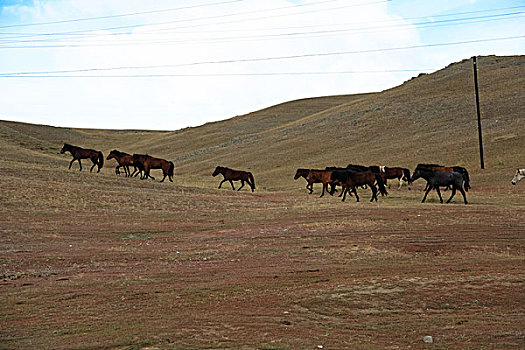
column 333, row 189
column 343, row 193
column 163, row 177
column 355, row 192
column 94, row 163
column 231, row 183
column 71, row 163
column 464, row 196
column 242, row 185
column 374, row 193
column 221, row 183
column 429, row 188
column 439, row 194
column 80, row 164
column 311, row 188
column 325, row 186
column 453, row 193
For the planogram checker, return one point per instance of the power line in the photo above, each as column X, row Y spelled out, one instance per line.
column 152, row 32
column 335, row 32
column 322, row 54
column 344, row 24
column 121, row 15
column 227, row 15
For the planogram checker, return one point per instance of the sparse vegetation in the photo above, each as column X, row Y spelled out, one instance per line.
column 102, row 261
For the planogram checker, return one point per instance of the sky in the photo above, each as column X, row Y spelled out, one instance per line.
column 171, row 64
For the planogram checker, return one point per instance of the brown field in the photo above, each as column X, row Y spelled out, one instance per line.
column 98, row 261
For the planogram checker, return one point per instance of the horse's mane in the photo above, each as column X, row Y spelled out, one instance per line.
column 118, row 153
column 429, row 165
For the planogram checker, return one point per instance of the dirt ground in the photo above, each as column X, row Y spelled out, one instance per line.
column 98, row 261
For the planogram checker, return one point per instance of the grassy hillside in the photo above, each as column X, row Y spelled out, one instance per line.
column 96, row 261
column 430, row 118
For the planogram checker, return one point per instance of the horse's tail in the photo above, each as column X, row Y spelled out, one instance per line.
column 252, row 180
column 100, row 160
column 466, row 178
column 406, row 172
column 171, row 169
column 381, row 185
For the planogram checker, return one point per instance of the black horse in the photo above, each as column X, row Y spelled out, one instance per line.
column 439, row 178
column 79, row 153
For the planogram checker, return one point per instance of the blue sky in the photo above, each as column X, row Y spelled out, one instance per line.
column 169, row 64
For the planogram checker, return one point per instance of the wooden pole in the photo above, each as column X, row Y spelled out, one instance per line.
column 480, row 137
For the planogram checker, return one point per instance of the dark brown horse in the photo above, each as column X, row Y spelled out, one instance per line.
column 146, row 162
column 124, row 160
column 79, row 153
column 349, row 179
column 401, row 174
column 235, row 175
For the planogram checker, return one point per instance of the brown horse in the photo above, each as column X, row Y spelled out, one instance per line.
column 79, row 153
column 146, row 162
column 124, row 160
column 235, row 175
column 401, row 174
column 310, row 181
column 321, row 176
column 304, row 174
column 349, row 179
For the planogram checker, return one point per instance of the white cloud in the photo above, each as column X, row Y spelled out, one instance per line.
column 176, row 102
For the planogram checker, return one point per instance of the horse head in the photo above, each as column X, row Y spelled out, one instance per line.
column 301, row 172
column 65, row 148
column 416, row 175
column 111, row 155
column 520, row 174
column 218, row 170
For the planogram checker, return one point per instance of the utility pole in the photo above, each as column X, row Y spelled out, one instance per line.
column 474, row 63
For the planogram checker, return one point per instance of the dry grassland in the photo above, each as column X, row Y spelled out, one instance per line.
column 97, row 261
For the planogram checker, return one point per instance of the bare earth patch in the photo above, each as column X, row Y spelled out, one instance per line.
column 99, row 261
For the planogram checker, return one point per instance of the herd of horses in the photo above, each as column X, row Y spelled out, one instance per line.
column 349, row 179
column 354, row 176
column 142, row 163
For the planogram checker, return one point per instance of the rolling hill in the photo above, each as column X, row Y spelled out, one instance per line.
column 97, row 261
column 430, row 118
